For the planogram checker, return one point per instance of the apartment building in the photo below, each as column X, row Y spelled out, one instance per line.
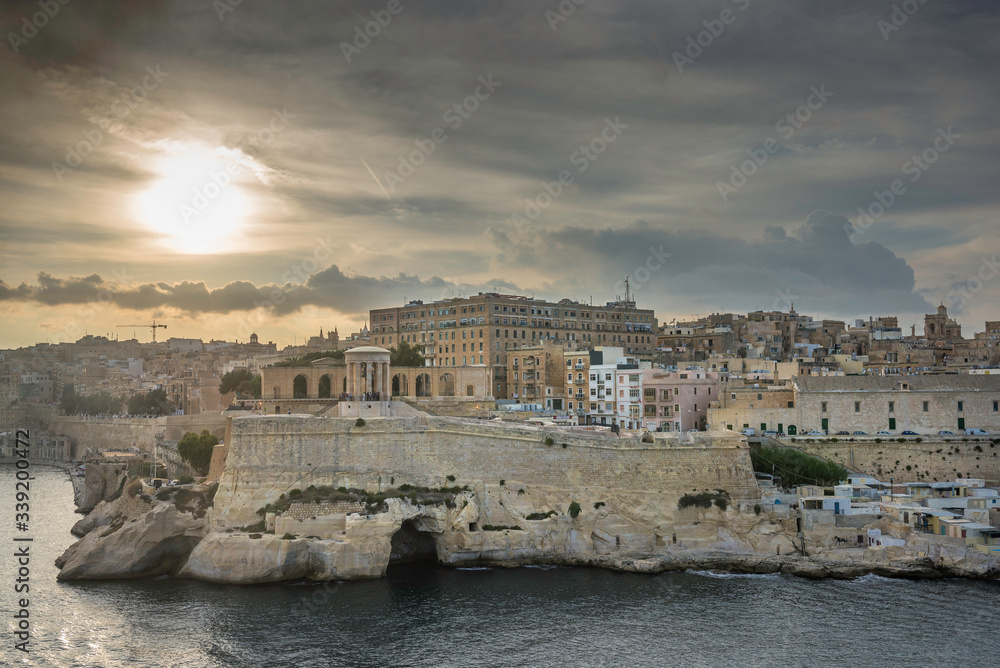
column 678, row 400
column 576, row 366
column 481, row 329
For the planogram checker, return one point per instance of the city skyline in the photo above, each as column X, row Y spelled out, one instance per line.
column 234, row 167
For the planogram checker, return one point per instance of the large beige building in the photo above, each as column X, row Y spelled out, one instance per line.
column 925, row 404
column 481, row 329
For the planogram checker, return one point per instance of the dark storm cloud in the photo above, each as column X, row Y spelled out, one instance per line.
column 330, row 288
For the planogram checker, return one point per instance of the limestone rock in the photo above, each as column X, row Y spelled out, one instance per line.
column 157, row 543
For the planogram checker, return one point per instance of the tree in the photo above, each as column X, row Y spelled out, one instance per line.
column 305, row 360
column 153, row 402
column 242, row 382
column 196, row 449
column 69, row 399
column 406, row 355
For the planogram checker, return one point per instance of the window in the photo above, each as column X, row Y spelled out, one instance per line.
column 961, row 406
column 822, row 407
column 857, row 406
column 927, row 406
column 892, row 406
column 759, row 396
column 734, row 396
column 791, row 404
column 996, row 406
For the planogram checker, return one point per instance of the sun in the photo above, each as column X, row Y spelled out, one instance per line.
column 196, row 206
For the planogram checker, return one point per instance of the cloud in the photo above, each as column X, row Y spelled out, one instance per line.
column 328, row 288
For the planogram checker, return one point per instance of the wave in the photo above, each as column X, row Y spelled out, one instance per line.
column 726, row 576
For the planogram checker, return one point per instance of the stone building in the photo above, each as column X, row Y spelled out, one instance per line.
column 481, row 329
column 535, row 375
column 925, row 404
column 938, row 326
column 326, row 380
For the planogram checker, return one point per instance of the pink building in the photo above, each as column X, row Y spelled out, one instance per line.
column 677, row 400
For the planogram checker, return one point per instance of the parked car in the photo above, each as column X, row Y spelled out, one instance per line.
column 883, row 432
column 772, row 434
column 814, row 432
column 748, row 431
column 976, row 432
column 945, row 432
column 910, row 433
column 843, row 433
column 860, row 433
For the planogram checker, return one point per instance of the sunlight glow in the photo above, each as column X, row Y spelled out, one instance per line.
column 197, row 206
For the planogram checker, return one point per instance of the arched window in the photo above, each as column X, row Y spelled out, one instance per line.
column 324, row 386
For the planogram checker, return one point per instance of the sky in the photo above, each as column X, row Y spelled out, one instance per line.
column 227, row 167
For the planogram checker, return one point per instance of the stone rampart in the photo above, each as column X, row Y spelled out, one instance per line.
column 270, row 455
column 934, row 458
column 110, row 433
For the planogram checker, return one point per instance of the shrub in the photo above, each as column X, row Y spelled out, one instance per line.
column 599, row 504
column 164, row 493
column 185, row 480
column 565, row 445
column 878, row 440
column 500, row 527
column 132, row 488
column 721, row 503
column 256, row 536
column 797, row 468
column 288, row 536
column 502, row 482
column 294, row 494
column 451, row 478
column 541, row 516
column 549, row 440
column 520, row 492
column 574, row 510
column 918, row 440
column 756, row 509
column 359, row 423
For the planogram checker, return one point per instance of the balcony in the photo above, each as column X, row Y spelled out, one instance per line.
column 580, row 367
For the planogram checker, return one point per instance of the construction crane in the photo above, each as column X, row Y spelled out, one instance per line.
column 152, row 326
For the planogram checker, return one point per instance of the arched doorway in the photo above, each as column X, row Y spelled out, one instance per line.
column 300, row 387
column 324, row 386
column 792, row 430
column 447, row 385
column 423, row 385
column 400, row 385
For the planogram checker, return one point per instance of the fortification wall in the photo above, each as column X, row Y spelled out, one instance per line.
column 110, row 433
column 934, row 459
column 270, row 455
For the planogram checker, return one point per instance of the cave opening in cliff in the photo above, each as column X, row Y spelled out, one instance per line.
column 410, row 545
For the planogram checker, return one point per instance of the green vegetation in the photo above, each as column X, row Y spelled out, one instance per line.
column 100, row 403
column 451, row 478
column 374, row 502
column 795, row 467
column 185, row 480
column 574, row 509
column 502, row 482
column 705, row 500
column 359, row 423
column 196, row 449
column 520, row 492
column 549, row 440
column 289, row 536
column 309, row 358
column 242, row 382
column 500, row 527
column 153, row 402
column 756, row 509
column 599, row 504
column 406, row 355
column 541, row 516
